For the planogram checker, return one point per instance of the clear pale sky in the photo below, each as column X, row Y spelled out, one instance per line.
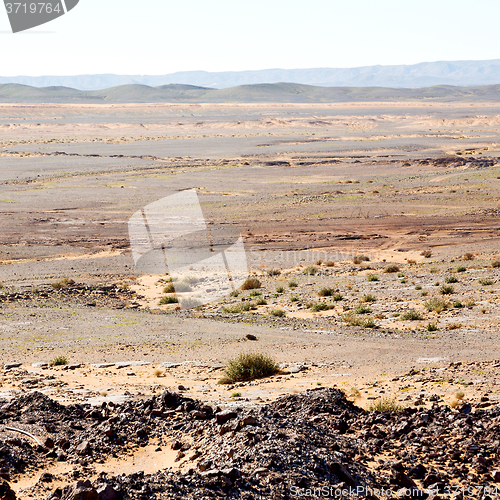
column 163, row 36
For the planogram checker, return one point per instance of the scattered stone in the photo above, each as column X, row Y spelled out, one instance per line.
column 316, row 437
column 107, row 492
column 83, row 448
column 168, row 364
column 250, row 420
column 224, row 416
column 10, row 366
column 128, row 364
column 72, row 366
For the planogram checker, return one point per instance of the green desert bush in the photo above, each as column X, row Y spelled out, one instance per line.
column 431, row 327
column 426, row 253
column 179, row 287
column 319, row 306
column 392, row 268
column 411, row 315
column 485, row 281
column 358, row 259
column 461, row 269
column 451, row 279
column 238, row 308
column 446, row 290
column 293, row 284
column 326, row 292
column 249, row 366
column 436, row 304
column 354, row 320
column 372, row 277
column 280, row 289
column 337, row 297
column 278, row 313
column 495, row 263
column 261, row 302
column 250, row 284
column 59, row 361
column 362, row 309
column 369, row 298
column 385, row 404
column 168, row 300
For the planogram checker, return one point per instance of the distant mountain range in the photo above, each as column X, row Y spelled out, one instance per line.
column 266, row 92
column 459, row 73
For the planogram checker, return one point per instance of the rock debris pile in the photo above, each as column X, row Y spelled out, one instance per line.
column 298, row 445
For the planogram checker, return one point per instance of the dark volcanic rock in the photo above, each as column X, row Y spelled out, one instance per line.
column 224, row 416
column 317, row 439
column 82, row 490
column 6, row 492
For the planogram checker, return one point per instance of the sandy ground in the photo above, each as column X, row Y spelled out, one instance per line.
column 302, row 184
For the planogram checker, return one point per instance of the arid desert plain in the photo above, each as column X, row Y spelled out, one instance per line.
column 373, row 230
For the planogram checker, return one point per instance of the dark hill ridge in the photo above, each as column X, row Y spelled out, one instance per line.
column 261, row 92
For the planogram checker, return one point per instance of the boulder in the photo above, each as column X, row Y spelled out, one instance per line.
column 224, row 416
column 6, row 492
column 81, row 490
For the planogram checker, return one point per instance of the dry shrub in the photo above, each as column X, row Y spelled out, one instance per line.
column 385, row 404
column 250, row 284
column 358, row 259
column 65, row 282
column 249, row 366
column 436, row 304
column 392, row 268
